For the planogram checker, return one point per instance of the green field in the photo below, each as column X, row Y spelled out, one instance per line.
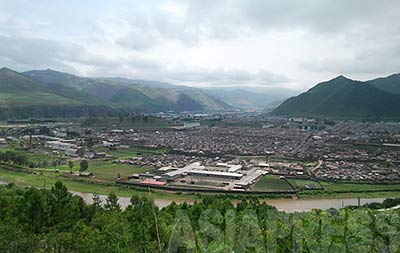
column 330, row 186
column 271, row 183
column 301, row 183
column 102, row 170
column 34, row 157
column 108, row 170
column 48, row 179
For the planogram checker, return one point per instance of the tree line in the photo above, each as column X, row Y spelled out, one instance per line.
column 54, row 220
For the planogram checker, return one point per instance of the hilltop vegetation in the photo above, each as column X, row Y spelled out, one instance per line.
column 390, row 84
column 48, row 94
column 137, row 95
column 343, row 98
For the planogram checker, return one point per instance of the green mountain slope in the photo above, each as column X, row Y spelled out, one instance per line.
column 51, row 78
column 49, row 93
column 343, row 98
column 390, row 83
column 21, row 97
column 17, row 90
column 138, row 95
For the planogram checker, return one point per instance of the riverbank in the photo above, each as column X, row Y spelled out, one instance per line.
column 287, row 205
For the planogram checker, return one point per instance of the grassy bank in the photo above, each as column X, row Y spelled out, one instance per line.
column 48, row 179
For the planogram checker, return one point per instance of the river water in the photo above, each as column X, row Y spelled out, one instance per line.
column 287, row 205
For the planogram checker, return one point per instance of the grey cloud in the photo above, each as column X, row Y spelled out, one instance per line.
column 236, row 19
column 372, row 55
column 323, row 16
column 27, row 52
column 227, row 76
column 35, row 36
column 23, row 53
column 227, row 19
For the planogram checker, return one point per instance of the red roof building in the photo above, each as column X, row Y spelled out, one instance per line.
column 153, row 182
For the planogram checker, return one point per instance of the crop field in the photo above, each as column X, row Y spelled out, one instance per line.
column 109, row 170
column 271, row 183
column 302, row 183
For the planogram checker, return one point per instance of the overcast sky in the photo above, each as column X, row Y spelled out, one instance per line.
column 292, row 44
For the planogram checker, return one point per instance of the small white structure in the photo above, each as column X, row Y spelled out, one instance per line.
column 117, row 131
column 109, row 144
column 316, row 137
column 267, row 126
column 3, row 142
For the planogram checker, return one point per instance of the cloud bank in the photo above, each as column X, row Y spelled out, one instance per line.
column 291, row 44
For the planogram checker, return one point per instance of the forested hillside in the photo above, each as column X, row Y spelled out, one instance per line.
column 35, row 220
column 343, row 98
column 390, row 83
column 51, row 94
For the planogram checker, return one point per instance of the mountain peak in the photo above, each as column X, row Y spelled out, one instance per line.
column 5, row 69
column 52, row 71
column 46, row 71
column 343, row 98
column 341, row 77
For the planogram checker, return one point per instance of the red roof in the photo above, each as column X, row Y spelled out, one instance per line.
column 152, row 182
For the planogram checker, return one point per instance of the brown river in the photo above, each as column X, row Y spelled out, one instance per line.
column 287, row 205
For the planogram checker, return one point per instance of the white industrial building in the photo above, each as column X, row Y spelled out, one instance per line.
column 228, row 174
column 196, row 169
column 58, row 145
column 250, row 178
column 220, row 174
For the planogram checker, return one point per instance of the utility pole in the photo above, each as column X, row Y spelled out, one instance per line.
column 155, row 220
column 30, row 139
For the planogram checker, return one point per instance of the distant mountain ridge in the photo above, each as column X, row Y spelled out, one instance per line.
column 344, row 98
column 49, row 93
column 251, row 99
column 127, row 81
